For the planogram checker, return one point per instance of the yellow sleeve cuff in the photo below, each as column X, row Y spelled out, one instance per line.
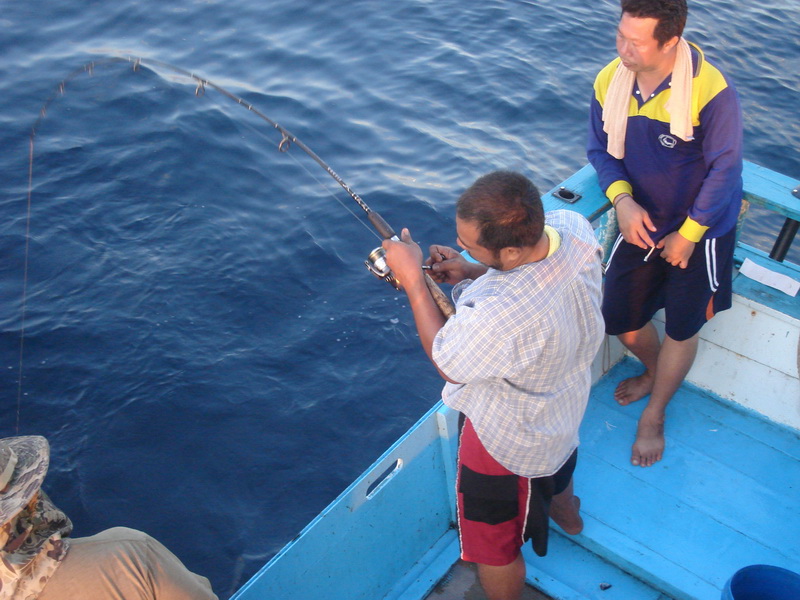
column 692, row 230
column 617, row 188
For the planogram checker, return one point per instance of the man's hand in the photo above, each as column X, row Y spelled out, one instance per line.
column 404, row 259
column 634, row 222
column 449, row 266
column 676, row 249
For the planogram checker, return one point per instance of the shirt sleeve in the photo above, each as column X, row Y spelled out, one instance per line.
column 721, row 120
column 611, row 172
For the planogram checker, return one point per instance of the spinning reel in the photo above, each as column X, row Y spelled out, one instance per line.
column 376, row 263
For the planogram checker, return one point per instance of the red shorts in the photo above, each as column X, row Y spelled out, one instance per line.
column 499, row 511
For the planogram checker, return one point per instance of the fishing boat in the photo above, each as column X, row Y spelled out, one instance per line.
column 724, row 497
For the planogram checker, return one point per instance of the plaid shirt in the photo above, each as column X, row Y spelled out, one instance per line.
column 522, row 343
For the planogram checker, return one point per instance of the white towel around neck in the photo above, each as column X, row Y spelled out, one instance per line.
column 679, row 105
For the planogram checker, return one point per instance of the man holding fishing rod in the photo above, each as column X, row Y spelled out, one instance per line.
column 516, row 357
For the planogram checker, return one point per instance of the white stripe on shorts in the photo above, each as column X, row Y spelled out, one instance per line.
column 458, row 511
column 611, row 254
column 711, row 264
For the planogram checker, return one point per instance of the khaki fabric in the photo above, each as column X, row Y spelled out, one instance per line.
column 123, row 564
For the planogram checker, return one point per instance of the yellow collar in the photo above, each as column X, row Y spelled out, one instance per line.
column 555, row 240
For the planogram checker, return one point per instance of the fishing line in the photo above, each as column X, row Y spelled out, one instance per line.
column 375, row 261
column 25, row 279
column 89, row 68
column 334, row 196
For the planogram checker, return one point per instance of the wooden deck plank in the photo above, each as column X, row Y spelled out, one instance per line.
column 707, row 431
column 571, row 572
column 724, row 495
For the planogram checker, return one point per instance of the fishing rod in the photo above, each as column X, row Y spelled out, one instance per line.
column 376, row 262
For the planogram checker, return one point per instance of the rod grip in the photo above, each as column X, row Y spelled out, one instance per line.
column 441, row 299
column 382, row 226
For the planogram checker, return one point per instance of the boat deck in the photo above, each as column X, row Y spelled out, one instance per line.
column 461, row 583
column 725, row 496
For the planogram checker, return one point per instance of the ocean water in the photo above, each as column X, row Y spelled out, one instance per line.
column 202, row 345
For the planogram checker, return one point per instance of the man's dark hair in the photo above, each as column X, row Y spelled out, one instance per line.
column 671, row 15
column 507, row 209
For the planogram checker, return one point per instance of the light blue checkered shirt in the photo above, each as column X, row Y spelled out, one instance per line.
column 522, row 343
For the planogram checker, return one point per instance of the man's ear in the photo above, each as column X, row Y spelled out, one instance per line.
column 510, row 254
column 670, row 44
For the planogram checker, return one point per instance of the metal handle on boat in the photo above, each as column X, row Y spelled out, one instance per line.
column 384, row 478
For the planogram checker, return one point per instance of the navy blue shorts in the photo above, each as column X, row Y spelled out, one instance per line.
column 636, row 289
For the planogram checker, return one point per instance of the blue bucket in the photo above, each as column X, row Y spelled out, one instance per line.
column 762, row 582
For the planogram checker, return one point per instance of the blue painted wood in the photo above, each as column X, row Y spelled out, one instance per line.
column 723, row 497
column 761, row 293
column 762, row 187
column 593, row 202
column 360, row 547
column 771, row 190
column 431, row 568
column 571, row 572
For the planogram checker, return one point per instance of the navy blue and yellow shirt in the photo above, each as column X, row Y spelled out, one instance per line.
column 694, row 187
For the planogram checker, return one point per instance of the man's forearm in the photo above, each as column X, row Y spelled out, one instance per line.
column 427, row 316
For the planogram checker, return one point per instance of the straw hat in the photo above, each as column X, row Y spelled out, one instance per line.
column 23, row 465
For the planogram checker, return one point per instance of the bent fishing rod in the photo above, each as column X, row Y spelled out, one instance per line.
column 375, row 262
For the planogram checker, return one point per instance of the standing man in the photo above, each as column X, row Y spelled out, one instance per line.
column 665, row 138
column 516, row 357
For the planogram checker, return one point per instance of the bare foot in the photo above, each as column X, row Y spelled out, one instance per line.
column 648, row 448
column 634, row 388
column 566, row 514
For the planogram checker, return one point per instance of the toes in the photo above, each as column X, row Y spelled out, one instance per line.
column 645, row 460
column 637, row 458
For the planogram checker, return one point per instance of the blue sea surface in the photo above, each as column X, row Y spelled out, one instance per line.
column 202, row 345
